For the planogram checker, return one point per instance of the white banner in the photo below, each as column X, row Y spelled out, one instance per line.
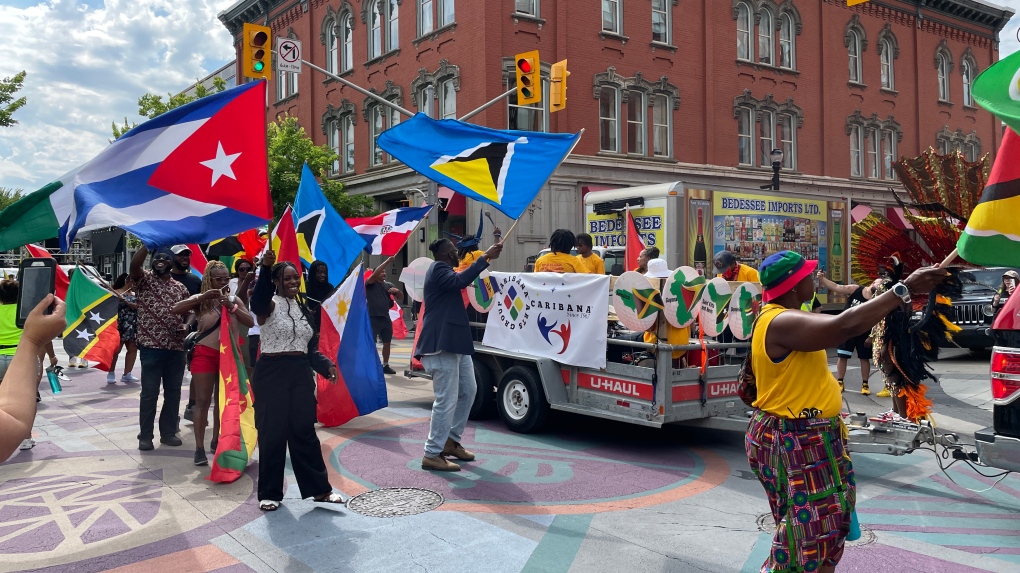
column 562, row 317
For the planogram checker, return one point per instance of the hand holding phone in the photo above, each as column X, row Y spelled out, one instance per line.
column 36, row 279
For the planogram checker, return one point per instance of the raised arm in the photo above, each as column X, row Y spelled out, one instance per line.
column 834, row 287
column 448, row 279
column 137, row 262
column 262, row 297
column 376, row 277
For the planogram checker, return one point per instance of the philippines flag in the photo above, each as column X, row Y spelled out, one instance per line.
column 345, row 335
column 192, row 175
column 387, row 233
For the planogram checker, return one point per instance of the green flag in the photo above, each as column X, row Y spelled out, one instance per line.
column 33, row 218
column 997, row 90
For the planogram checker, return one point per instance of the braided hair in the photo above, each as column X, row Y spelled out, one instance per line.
column 209, row 305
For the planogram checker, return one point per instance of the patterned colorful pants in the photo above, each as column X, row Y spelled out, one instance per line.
column 807, row 474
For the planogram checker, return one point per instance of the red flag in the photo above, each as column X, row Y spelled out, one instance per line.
column 237, row 419
column 252, row 242
column 198, row 260
column 61, row 280
column 1009, row 316
column 634, row 244
column 399, row 326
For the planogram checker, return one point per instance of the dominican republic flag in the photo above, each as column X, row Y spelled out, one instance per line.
column 192, row 175
column 61, row 281
column 387, row 233
column 345, row 336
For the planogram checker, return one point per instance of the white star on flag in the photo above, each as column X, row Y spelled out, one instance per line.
column 220, row 164
column 95, row 316
column 84, row 334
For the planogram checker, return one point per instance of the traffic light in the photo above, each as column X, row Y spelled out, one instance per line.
column 558, row 86
column 529, row 79
column 257, row 55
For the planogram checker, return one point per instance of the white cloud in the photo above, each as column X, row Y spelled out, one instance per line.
column 87, row 63
column 1008, row 42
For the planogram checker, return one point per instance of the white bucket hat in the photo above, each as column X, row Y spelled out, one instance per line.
column 657, row 269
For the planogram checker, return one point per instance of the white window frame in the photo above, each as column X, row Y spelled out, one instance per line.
column 967, row 79
column 528, row 7
column 766, row 38
column 746, row 115
column 346, row 43
column 942, row 67
column 333, row 140
column 788, row 38
column 375, row 29
column 392, row 25
column 888, row 154
column 637, row 128
column 425, row 21
column 662, row 104
column 613, row 9
column 286, row 85
column 347, row 143
column 854, row 57
column 446, row 13
column 766, row 136
column 873, row 153
column 612, row 120
column 376, row 125
column 427, row 101
column 663, row 12
column 856, row 151
column 968, row 148
column 447, row 94
column 332, row 48
column 744, row 18
column 789, row 146
column 888, row 64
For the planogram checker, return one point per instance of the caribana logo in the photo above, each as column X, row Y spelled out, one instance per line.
column 516, row 301
column 563, row 332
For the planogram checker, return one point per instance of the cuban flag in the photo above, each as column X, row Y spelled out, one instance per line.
column 345, row 336
column 387, row 233
column 192, row 175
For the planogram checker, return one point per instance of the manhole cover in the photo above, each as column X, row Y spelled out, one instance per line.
column 766, row 524
column 395, row 502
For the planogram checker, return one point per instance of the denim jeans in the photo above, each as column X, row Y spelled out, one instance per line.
column 453, row 381
column 166, row 368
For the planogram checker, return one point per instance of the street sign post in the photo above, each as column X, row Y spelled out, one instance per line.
column 288, row 55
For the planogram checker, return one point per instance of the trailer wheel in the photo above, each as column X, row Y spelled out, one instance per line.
column 521, row 400
column 484, row 406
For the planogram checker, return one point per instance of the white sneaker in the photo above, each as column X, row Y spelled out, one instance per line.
column 111, row 378
column 129, row 377
column 82, row 363
column 72, row 362
column 27, row 444
column 59, row 371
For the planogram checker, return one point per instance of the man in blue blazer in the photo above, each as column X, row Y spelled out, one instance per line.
column 445, row 348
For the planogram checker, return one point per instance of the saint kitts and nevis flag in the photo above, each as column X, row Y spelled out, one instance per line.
column 237, row 411
column 992, row 236
column 505, row 169
column 192, row 175
column 345, row 337
column 91, row 332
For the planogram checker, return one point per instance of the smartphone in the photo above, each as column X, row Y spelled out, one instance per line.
column 36, row 279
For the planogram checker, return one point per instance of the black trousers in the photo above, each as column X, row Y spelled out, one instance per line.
column 160, row 368
column 284, row 388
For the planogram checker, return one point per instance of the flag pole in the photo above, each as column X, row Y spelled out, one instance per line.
column 952, row 257
column 508, row 231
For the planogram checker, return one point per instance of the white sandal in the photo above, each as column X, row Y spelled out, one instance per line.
column 333, row 497
column 268, row 505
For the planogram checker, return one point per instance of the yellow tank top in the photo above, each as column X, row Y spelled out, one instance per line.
column 798, row 386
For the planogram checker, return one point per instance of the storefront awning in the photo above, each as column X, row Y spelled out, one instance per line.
column 859, row 212
column 898, row 218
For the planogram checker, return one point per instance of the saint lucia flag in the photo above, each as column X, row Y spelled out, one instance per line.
column 345, row 337
column 192, row 175
column 322, row 234
column 505, row 169
column 91, row 332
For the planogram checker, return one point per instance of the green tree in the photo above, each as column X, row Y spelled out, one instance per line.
column 152, row 105
column 9, row 196
column 10, row 86
column 289, row 148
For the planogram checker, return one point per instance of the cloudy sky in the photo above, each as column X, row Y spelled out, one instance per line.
column 88, row 61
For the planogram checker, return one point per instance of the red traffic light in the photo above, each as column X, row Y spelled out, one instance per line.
column 524, row 65
column 259, row 38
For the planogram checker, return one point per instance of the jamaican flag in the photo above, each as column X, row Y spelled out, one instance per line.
column 237, row 419
column 91, row 332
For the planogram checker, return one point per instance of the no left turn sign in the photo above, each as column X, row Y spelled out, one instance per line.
column 288, row 55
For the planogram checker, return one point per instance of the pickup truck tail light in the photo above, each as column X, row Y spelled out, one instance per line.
column 1005, row 372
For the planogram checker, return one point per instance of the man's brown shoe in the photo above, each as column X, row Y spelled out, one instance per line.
column 456, row 450
column 439, row 464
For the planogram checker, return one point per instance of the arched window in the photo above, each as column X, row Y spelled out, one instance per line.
column 346, row 44
column 375, row 31
column 787, row 47
column 393, row 25
column 744, row 28
column 331, row 48
column 885, row 55
column 967, row 71
column 765, row 39
column 854, row 53
column 942, row 66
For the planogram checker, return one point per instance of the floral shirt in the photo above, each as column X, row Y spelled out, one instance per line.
column 157, row 326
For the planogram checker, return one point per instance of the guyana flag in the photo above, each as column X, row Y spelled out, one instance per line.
column 91, row 331
column 237, row 418
column 992, row 236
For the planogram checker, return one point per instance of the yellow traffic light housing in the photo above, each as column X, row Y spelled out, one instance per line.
column 558, row 86
column 257, row 59
column 529, row 79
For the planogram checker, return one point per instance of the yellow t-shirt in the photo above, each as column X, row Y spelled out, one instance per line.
column 745, row 274
column 593, row 264
column 10, row 334
column 468, row 260
column 798, row 386
column 674, row 336
column 558, row 263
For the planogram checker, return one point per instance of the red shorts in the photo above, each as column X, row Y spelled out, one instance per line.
column 205, row 360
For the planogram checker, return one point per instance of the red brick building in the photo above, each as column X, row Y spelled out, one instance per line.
column 692, row 90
